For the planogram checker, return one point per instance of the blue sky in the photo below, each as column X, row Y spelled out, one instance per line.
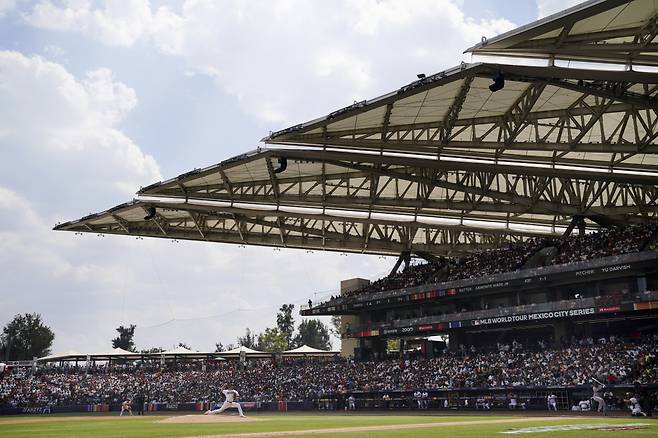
column 98, row 98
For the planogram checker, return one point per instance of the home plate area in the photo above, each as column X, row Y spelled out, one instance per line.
column 566, row 427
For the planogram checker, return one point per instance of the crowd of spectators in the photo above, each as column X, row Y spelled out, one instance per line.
column 612, row 359
column 603, row 244
column 576, row 248
column 497, row 261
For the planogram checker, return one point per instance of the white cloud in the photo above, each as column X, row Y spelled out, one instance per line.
column 6, row 6
column 117, row 23
column 66, row 156
column 549, row 7
column 285, row 60
column 111, row 100
column 62, row 134
column 64, row 151
column 54, row 51
column 49, row 116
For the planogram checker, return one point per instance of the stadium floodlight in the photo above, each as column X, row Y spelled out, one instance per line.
column 498, row 84
column 283, row 165
column 151, row 213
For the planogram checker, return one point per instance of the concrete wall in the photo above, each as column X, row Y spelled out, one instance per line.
column 347, row 346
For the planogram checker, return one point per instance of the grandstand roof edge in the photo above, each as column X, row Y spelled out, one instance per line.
column 411, row 88
column 62, row 226
column 249, row 154
column 614, row 32
column 553, row 19
column 287, row 135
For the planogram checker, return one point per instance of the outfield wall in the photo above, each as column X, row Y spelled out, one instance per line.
column 461, row 399
column 281, row 406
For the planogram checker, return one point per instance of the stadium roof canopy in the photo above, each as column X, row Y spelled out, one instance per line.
column 443, row 165
column 597, row 120
column 616, row 31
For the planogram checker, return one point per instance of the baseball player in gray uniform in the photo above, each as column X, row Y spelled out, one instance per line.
column 597, row 388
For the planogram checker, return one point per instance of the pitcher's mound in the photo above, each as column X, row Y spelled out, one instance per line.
column 200, row 418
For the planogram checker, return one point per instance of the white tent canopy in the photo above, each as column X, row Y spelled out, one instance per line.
column 181, row 351
column 64, row 355
column 242, row 348
column 305, row 350
column 120, row 353
column 248, row 352
column 115, row 353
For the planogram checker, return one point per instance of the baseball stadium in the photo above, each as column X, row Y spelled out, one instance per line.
column 519, row 196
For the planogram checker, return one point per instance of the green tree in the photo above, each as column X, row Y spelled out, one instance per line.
column 125, row 338
column 286, row 323
column 313, row 333
column 249, row 339
column 219, row 347
column 25, row 337
column 336, row 328
column 272, row 340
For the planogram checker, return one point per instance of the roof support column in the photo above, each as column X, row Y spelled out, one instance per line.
column 405, row 256
column 576, row 221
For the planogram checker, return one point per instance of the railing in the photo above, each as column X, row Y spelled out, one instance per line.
column 523, row 273
column 600, row 301
column 21, row 363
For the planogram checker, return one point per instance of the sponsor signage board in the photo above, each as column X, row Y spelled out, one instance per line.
column 506, row 319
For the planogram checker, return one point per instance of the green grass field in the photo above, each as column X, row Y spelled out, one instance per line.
column 401, row 426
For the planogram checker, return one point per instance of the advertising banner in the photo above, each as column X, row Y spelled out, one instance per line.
column 505, row 319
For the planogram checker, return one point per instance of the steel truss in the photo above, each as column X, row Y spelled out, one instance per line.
column 375, row 204
column 436, row 189
column 443, row 165
column 615, row 119
column 296, row 230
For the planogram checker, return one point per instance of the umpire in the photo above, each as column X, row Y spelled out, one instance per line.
column 139, row 401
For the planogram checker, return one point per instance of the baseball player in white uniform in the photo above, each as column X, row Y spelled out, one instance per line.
column 551, row 400
column 426, row 399
column 351, row 401
column 231, row 395
column 636, row 409
column 418, row 396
